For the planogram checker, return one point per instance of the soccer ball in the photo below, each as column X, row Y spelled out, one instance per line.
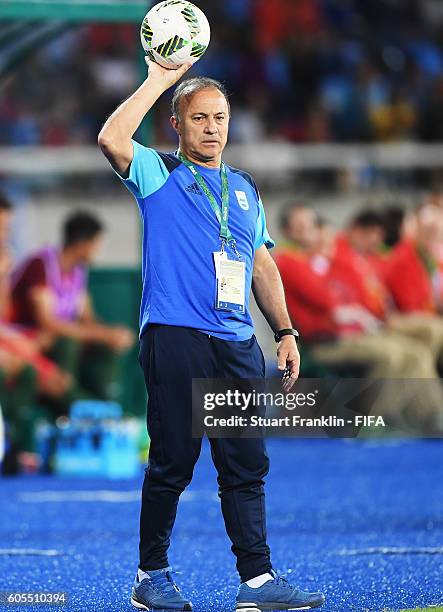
column 175, row 32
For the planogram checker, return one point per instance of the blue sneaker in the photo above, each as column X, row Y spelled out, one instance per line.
column 276, row 594
column 158, row 592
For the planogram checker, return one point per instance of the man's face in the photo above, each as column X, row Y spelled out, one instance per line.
column 429, row 226
column 87, row 250
column 5, row 224
column 203, row 125
column 302, row 228
column 367, row 240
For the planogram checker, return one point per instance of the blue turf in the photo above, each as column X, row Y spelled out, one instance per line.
column 325, row 498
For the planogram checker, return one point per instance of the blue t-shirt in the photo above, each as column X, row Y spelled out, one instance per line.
column 180, row 235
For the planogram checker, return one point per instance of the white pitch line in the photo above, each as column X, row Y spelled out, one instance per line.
column 107, row 496
column 30, row 551
column 386, row 550
column 80, row 496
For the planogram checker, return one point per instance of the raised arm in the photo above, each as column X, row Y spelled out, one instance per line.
column 115, row 137
column 270, row 296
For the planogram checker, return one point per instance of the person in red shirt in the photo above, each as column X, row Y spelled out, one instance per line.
column 397, row 223
column 398, row 287
column 413, row 279
column 352, row 263
column 322, row 295
column 339, row 330
column 413, row 264
column 313, row 306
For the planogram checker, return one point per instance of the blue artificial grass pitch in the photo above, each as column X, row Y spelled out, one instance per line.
column 360, row 520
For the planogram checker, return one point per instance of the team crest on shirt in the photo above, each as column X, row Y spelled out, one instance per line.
column 242, row 200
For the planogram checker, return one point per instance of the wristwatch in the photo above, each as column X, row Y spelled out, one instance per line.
column 286, row 332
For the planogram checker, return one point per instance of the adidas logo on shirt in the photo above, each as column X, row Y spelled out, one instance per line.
column 194, row 188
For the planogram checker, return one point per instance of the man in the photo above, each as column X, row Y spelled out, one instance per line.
column 412, row 267
column 402, row 288
column 356, row 251
column 330, row 302
column 303, row 269
column 414, row 280
column 50, row 299
column 24, row 371
column 193, row 207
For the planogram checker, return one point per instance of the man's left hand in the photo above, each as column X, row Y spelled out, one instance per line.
column 288, row 359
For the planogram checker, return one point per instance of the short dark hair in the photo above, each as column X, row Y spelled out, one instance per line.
column 367, row 218
column 189, row 87
column 322, row 222
column 287, row 212
column 81, row 226
column 5, row 204
column 393, row 218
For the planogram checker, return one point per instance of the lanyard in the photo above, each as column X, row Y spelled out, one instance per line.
column 222, row 217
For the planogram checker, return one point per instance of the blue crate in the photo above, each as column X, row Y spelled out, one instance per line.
column 97, row 442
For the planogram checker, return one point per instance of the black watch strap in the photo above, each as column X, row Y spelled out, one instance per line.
column 286, row 332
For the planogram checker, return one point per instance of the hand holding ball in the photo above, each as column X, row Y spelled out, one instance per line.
column 174, row 33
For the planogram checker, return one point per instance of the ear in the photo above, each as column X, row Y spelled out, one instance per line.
column 175, row 124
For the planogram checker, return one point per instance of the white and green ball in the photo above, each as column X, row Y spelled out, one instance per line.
column 175, row 32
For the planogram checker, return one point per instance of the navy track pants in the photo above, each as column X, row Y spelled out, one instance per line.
column 171, row 357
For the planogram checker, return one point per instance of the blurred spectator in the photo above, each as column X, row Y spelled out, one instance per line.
column 414, row 279
column 329, row 70
column 413, row 264
column 377, row 277
column 310, row 303
column 354, row 264
column 311, row 252
column 50, row 300
column 337, row 328
column 395, row 119
column 24, row 372
column 17, row 348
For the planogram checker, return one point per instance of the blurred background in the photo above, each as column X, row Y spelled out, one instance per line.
column 337, row 112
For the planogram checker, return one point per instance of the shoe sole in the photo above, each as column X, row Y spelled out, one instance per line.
column 253, row 607
column 260, row 609
column 273, row 608
column 140, row 606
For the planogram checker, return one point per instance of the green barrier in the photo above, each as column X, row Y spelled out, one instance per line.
column 116, row 295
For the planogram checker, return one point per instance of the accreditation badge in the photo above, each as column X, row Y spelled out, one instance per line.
column 230, row 278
